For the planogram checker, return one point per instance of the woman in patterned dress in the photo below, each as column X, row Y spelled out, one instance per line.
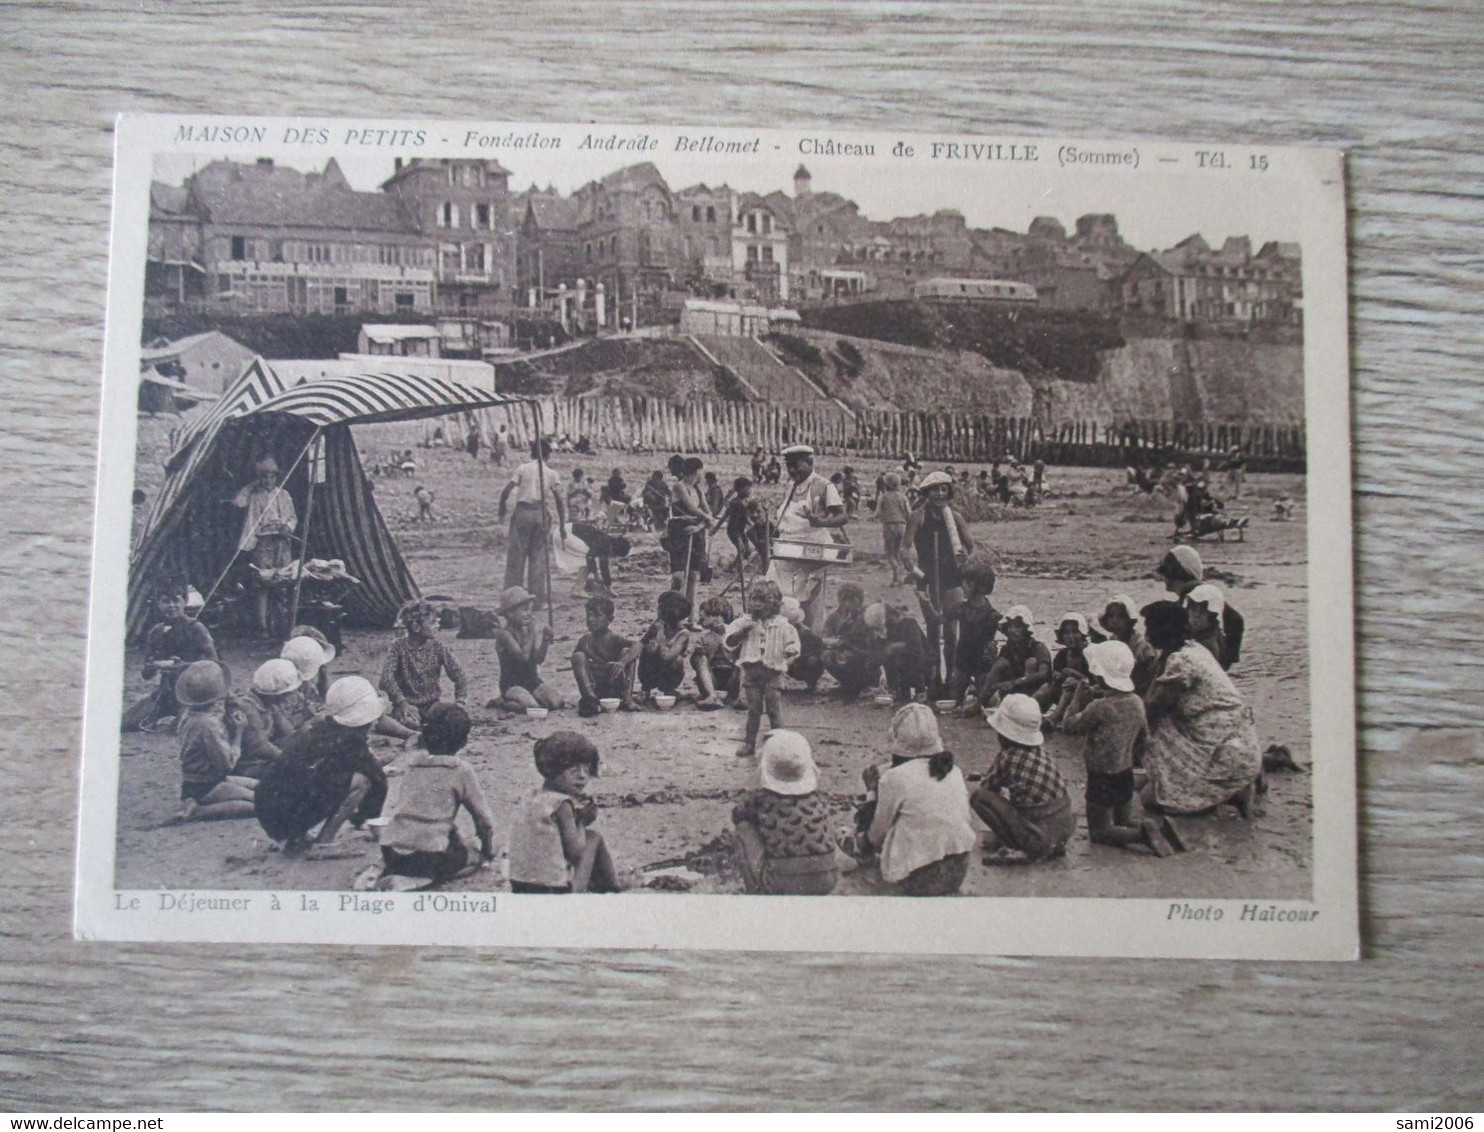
column 1202, row 748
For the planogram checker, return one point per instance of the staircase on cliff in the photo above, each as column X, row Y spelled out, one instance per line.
column 767, row 377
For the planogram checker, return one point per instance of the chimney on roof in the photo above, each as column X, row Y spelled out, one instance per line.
column 265, row 163
column 396, row 165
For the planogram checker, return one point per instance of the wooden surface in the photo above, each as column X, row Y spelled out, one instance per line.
column 137, row 1028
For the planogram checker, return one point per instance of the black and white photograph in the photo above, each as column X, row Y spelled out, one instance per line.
column 623, row 536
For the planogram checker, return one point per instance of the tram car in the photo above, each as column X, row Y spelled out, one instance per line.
column 989, row 292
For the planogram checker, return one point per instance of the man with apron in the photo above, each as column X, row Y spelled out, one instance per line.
column 811, row 512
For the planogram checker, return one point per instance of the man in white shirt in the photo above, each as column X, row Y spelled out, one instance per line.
column 811, row 511
column 526, row 551
column 268, row 524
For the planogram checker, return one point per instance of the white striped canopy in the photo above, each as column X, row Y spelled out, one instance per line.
column 375, row 398
column 191, row 536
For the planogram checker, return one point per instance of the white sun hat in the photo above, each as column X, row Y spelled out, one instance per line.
column 1022, row 614
column 276, row 677
column 1114, row 662
column 787, row 764
column 1018, row 718
column 307, row 654
column 1208, row 596
column 914, row 732
column 353, row 701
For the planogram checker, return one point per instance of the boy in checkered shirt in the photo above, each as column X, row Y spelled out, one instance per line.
column 1023, row 798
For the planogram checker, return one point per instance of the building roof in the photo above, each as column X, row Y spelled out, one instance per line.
column 168, row 199
column 634, row 176
column 268, row 195
column 396, row 331
column 168, row 351
column 552, row 213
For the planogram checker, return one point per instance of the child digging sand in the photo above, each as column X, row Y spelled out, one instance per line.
column 782, row 834
column 603, row 662
column 1106, row 709
column 765, row 643
column 208, row 753
column 551, row 848
column 522, row 651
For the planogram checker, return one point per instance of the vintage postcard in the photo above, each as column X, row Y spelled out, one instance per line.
column 641, row 536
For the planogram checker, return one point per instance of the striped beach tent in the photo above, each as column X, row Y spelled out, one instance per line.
column 192, row 531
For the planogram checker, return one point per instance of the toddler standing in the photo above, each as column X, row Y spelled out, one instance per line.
column 765, row 643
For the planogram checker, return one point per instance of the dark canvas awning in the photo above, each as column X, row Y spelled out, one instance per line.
column 188, row 531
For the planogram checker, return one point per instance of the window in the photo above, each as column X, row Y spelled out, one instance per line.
column 224, row 284
column 405, row 299
column 751, row 253
column 482, row 216
column 342, row 297
column 695, row 212
column 239, row 247
column 451, row 176
column 587, row 252
column 767, row 223
column 474, row 257
column 447, row 216
column 752, row 222
column 767, row 253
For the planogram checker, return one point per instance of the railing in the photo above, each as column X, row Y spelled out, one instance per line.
column 738, row 427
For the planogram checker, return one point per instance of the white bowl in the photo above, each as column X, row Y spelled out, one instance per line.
column 883, row 701
column 609, row 704
column 664, row 703
column 536, row 712
column 944, row 706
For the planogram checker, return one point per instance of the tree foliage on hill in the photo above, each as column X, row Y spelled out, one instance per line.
column 1039, row 343
column 270, row 335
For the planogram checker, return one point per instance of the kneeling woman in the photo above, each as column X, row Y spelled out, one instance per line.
column 922, row 825
column 1202, row 748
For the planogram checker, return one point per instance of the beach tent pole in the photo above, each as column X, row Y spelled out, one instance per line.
column 314, row 442
column 545, row 515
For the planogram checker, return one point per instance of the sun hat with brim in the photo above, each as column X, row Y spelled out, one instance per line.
column 1113, row 661
column 787, row 764
column 307, row 655
column 1125, row 603
column 317, row 637
column 276, row 677
column 1182, row 564
column 934, row 479
column 1076, row 619
column 1018, row 718
column 1208, row 596
column 203, row 682
column 914, row 732
column 513, row 597
column 1022, row 614
column 798, row 452
column 353, row 701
